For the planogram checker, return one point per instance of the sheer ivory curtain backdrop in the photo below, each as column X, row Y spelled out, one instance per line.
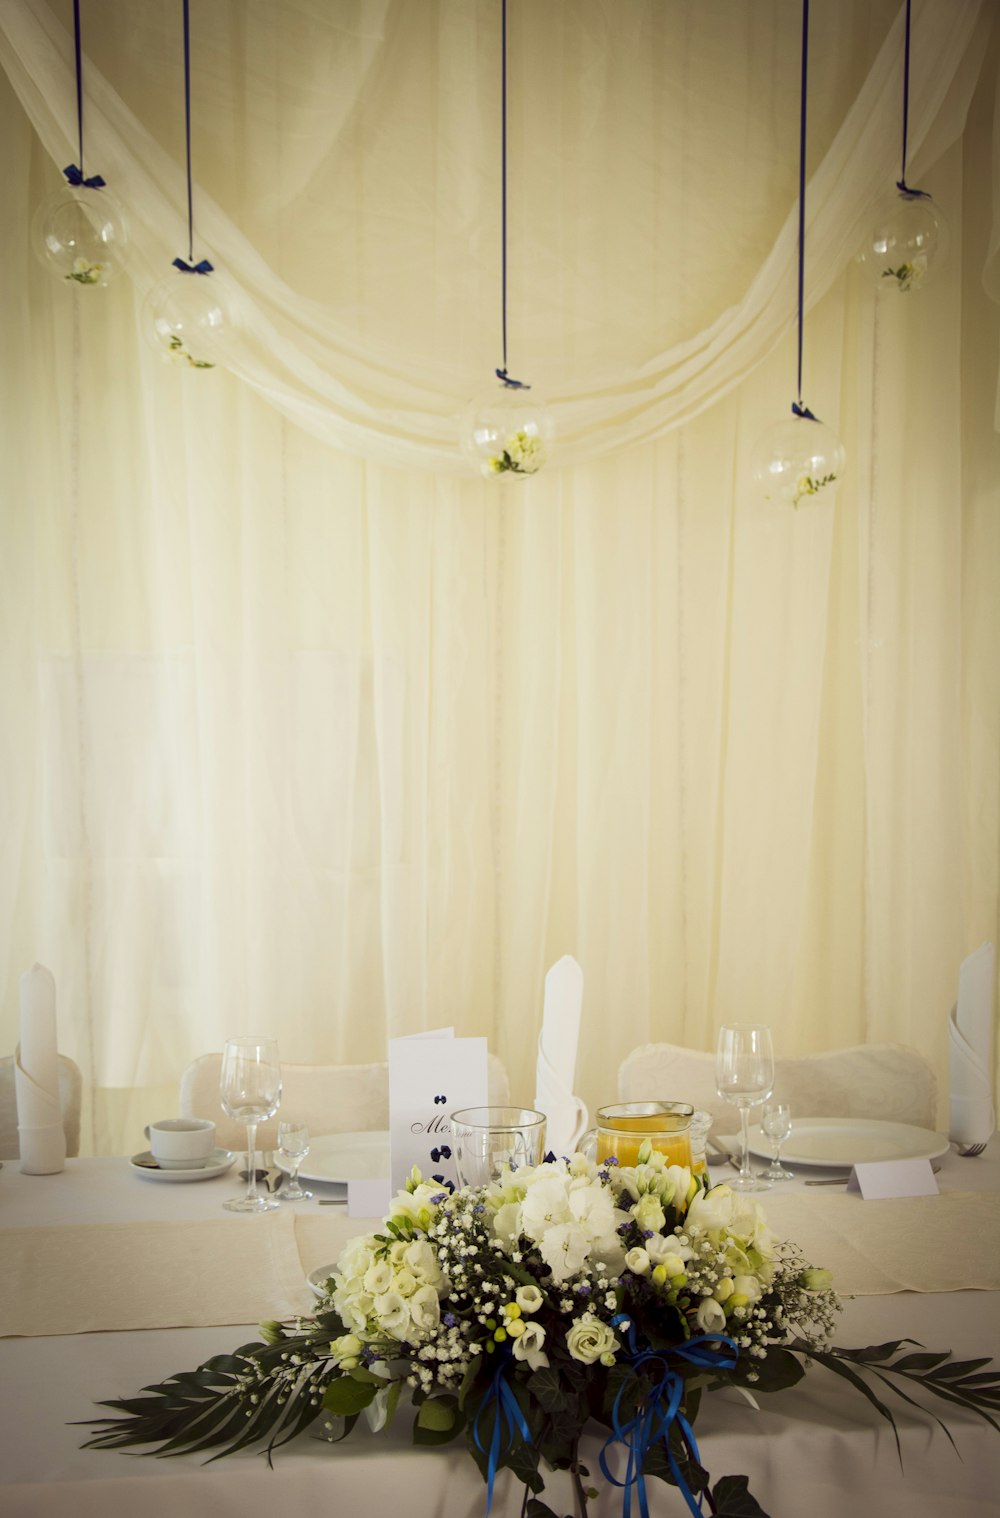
column 306, row 729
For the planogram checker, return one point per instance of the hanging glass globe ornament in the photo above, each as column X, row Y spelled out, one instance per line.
column 189, row 319
column 507, row 432
column 80, row 233
column 798, row 461
column 908, row 243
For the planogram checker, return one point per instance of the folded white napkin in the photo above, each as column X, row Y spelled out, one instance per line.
column 972, row 1117
column 36, row 1077
column 556, row 1067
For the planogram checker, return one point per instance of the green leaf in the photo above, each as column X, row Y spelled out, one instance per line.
column 733, row 1499
column 780, row 1370
column 438, row 1414
column 547, row 1389
column 536, row 1509
column 346, row 1396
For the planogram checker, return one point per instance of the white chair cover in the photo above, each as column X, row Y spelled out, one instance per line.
column 869, row 1080
column 326, row 1098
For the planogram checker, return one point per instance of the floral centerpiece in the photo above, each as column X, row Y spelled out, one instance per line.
column 520, row 1313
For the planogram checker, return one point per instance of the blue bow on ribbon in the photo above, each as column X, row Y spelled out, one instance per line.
column 658, row 1410
column 203, row 268
column 508, row 1420
column 910, row 192
column 803, row 411
column 512, row 384
column 75, row 177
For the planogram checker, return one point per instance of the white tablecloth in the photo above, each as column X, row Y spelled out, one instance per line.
column 818, row 1450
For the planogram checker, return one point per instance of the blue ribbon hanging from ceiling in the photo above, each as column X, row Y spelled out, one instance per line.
column 502, row 374
column 901, row 185
column 74, row 172
column 189, row 266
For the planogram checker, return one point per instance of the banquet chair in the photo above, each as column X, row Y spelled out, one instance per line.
column 70, row 1092
column 325, row 1098
column 869, row 1080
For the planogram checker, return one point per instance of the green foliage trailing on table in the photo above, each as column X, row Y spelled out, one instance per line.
column 518, row 1315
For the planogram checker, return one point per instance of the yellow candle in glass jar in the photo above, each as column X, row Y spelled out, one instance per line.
column 621, row 1132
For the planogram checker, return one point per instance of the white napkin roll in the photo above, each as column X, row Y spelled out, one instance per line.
column 556, row 1064
column 972, row 1117
column 36, row 1077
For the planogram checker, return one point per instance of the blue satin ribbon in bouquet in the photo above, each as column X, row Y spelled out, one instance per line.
column 508, row 1422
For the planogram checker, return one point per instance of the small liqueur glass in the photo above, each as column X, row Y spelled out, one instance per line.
column 776, row 1123
column 293, row 1146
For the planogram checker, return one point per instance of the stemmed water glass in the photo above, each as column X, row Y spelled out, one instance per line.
column 293, row 1146
column 744, row 1075
column 250, row 1091
column 776, row 1122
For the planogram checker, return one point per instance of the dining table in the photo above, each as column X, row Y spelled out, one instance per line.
column 110, row 1283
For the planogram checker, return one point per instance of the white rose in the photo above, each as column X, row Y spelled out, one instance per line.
column 746, row 1286
column 528, row 1298
column 637, row 1261
column 710, row 1316
column 529, row 1346
column 347, row 1345
column 588, row 1339
column 648, row 1212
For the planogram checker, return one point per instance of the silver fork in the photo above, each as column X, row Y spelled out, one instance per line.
column 969, row 1151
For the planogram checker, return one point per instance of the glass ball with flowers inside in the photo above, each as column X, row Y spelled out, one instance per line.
column 507, row 432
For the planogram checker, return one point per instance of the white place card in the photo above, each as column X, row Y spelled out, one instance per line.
column 885, row 1178
column 430, row 1076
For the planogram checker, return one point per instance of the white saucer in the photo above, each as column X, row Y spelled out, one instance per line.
column 217, row 1163
column 318, row 1278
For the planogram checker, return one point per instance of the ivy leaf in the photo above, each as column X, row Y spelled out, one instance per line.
column 547, row 1389
column 536, row 1509
column 733, row 1499
column 780, row 1370
column 437, row 1414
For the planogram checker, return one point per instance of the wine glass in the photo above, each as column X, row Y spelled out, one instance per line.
column 250, row 1090
column 293, row 1146
column 776, row 1122
column 744, row 1075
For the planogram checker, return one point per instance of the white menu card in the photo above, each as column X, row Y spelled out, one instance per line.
column 431, row 1075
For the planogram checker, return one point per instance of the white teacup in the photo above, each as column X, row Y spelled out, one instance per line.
column 181, row 1143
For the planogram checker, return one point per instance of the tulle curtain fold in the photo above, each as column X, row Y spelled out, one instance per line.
column 305, row 729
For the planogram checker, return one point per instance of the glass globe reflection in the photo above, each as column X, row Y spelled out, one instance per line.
column 80, row 234
column 507, row 432
column 797, row 462
column 907, row 245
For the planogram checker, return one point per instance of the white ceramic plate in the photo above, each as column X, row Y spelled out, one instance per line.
column 850, row 1141
column 343, row 1157
column 317, row 1278
column 217, row 1163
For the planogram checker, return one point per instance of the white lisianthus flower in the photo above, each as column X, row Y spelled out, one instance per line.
column 588, row 1339
column 710, row 1317
column 392, row 1314
column 529, row 1346
column 425, row 1310
column 528, row 1298
column 420, row 1258
column 378, row 1277
column 637, row 1261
